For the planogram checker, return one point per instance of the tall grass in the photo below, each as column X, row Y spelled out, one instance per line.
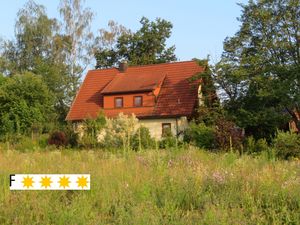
column 154, row 187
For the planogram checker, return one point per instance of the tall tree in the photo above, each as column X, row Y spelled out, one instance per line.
column 34, row 33
column 77, row 29
column 260, row 68
column 145, row 46
column 38, row 47
column 106, row 50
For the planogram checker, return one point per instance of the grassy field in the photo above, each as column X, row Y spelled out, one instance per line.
column 154, row 187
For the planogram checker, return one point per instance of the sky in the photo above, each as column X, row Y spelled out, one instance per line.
column 199, row 26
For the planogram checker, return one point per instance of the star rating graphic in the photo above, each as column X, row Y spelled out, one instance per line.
column 50, row 182
column 28, row 182
column 46, row 182
column 64, row 182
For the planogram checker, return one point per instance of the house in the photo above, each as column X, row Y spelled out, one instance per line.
column 161, row 95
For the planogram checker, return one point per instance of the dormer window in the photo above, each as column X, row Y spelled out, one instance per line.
column 119, row 102
column 138, row 101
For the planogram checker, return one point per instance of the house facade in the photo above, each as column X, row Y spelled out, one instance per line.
column 162, row 96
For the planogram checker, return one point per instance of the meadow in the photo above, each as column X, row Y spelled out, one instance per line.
column 189, row 186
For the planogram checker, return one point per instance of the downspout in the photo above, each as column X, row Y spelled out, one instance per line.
column 177, row 128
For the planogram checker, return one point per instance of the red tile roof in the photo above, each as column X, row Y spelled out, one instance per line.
column 135, row 81
column 177, row 96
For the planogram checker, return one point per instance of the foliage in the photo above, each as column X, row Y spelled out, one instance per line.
column 287, row 145
column 145, row 46
column 107, row 51
column 33, row 33
column 227, row 135
column 142, row 139
column 72, row 135
column 26, row 143
column 58, row 138
column 92, row 128
column 76, row 28
column 200, row 135
column 58, row 51
column 168, row 140
column 209, row 98
column 119, row 132
column 25, row 102
column 259, row 69
column 40, row 48
column 253, row 146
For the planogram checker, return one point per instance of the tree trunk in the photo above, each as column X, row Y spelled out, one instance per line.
column 295, row 114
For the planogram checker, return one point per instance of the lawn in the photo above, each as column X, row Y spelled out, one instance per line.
column 154, row 187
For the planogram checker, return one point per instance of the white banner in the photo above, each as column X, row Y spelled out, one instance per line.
column 50, row 182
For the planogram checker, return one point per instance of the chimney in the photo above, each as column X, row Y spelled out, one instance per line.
column 123, row 66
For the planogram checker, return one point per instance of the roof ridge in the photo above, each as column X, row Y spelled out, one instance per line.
column 147, row 65
column 104, row 69
column 158, row 64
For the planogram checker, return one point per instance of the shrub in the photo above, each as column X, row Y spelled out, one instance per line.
column 43, row 141
column 72, row 136
column 142, row 139
column 200, row 135
column 262, row 145
column 25, row 144
column 168, row 140
column 227, row 135
column 287, row 144
column 91, row 129
column 258, row 146
column 58, row 138
column 119, row 132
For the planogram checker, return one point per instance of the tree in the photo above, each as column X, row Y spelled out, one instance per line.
column 34, row 33
column 259, row 71
column 39, row 48
column 107, row 51
column 25, row 102
column 145, row 46
column 77, row 29
column 209, row 109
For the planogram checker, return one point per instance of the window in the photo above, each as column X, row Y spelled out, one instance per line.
column 166, row 129
column 118, row 102
column 138, row 101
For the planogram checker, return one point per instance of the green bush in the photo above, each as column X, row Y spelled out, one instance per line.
column 91, row 129
column 72, row 136
column 142, row 139
column 24, row 143
column 42, row 140
column 119, row 132
column 262, row 145
column 200, row 135
column 168, row 140
column 258, row 146
column 287, row 145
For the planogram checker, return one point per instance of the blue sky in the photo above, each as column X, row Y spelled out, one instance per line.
column 199, row 26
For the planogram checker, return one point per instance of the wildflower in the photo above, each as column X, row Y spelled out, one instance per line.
column 218, row 177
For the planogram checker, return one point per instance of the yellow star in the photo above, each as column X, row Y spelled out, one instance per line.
column 46, row 182
column 82, row 182
column 28, row 182
column 64, row 182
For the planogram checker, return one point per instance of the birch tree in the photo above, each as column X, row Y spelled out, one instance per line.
column 76, row 27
